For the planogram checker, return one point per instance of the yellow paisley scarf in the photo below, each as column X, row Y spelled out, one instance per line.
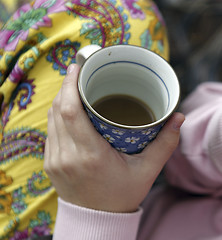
column 37, row 44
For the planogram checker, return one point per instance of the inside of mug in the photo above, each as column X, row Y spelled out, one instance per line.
column 131, row 79
column 132, row 71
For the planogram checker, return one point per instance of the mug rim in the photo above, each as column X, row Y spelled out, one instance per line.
column 123, row 126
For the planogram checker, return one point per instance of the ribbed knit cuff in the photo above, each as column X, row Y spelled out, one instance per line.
column 78, row 223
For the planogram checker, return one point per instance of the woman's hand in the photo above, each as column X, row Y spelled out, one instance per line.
column 86, row 170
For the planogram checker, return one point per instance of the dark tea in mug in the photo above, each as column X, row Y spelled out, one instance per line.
column 124, row 109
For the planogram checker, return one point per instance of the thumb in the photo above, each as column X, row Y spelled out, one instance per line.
column 166, row 142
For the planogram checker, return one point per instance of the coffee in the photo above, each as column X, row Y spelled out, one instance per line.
column 124, row 109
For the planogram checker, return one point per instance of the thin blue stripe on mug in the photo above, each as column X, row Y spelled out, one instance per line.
column 139, row 64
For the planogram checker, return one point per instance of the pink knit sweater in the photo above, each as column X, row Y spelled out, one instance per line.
column 192, row 210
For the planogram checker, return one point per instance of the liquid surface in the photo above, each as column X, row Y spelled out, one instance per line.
column 124, row 110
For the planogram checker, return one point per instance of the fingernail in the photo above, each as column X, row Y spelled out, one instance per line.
column 70, row 68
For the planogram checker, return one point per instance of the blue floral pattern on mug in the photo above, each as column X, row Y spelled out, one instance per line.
column 125, row 140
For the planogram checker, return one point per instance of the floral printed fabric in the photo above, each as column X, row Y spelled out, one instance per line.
column 37, row 44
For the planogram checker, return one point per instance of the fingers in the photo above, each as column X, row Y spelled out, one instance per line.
column 51, row 149
column 58, row 141
column 70, row 101
column 71, row 110
column 64, row 138
column 69, row 127
column 67, row 106
column 166, row 142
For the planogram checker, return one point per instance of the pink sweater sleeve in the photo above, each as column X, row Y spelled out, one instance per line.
column 196, row 165
column 74, row 222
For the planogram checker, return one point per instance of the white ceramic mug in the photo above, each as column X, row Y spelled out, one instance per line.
column 133, row 71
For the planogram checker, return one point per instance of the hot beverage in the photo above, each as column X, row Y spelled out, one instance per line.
column 124, row 109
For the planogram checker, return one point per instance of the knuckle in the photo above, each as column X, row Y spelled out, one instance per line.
column 91, row 162
column 63, row 156
column 52, row 169
column 48, row 169
column 66, row 162
column 68, row 111
column 55, row 104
